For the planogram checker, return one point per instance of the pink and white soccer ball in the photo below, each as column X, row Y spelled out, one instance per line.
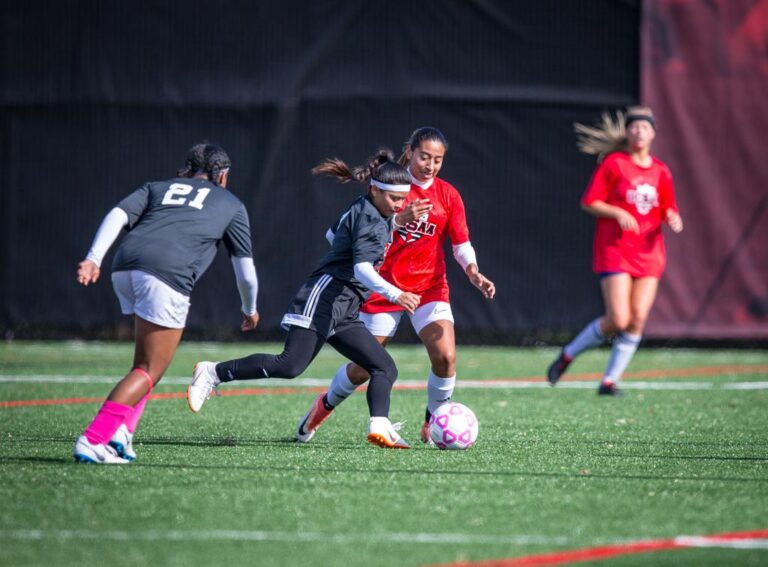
column 453, row 426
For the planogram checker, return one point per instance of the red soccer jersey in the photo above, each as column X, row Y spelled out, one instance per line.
column 415, row 261
column 646, row 193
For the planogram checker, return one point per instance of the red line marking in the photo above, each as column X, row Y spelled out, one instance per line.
column 673, row 373
column 607, row 551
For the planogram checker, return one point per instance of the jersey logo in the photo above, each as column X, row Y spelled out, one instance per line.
column 644, row 197
column 414, row 230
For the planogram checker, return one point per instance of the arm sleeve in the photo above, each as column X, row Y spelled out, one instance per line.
column 465, row 255
column 237, row 237
column 247, row 283
column 458, row 230
column 600, row 185
column 108, row 232
column 367, row 275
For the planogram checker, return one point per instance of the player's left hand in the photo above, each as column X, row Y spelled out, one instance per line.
column 486, row 286
column 87, row 272
column 249, row 322
column 675, row 221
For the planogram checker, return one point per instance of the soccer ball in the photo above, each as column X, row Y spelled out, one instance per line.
column 453, row 426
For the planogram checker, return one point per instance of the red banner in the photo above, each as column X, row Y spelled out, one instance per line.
column 705, row 74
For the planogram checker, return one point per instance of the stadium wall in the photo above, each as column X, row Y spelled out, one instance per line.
column 99, row 97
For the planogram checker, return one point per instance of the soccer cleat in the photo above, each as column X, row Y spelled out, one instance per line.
column 556, row 369
column 609, row 389
column 87, row 452
column 122, row 443
column 383, row 433
column 204, row 383
column 313, row 419
column 425, row 436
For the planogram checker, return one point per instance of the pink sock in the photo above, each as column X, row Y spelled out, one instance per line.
column 132, row 420
column 106, row 422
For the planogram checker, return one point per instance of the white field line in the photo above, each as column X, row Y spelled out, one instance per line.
column 356, row 538
column 714, row 541
column 411, row 384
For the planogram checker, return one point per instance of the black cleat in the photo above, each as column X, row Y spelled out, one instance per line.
column 609, row 389
column 556, row 369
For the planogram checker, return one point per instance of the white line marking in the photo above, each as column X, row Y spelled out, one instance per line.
column 714, row 541
column 242, row 535
column 410, row 384
column 347, row 538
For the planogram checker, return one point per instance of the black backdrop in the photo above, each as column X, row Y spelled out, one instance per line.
column 98, row 97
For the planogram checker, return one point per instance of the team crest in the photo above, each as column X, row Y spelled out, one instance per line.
column 414, row 230
column 644, row 197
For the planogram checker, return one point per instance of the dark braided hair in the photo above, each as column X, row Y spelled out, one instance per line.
column 381, row 167
column 419, row 135
column 206, row 158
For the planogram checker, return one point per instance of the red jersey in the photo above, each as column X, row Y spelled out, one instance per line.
column 415, row 261
column 647, row 194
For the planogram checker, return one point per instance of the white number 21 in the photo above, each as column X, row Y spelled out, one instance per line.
column 176, row 192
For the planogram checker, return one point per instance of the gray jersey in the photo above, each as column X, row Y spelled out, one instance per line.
column 362, row 234
column 175, row 226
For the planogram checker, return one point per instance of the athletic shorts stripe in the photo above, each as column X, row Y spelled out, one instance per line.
column 311, row 306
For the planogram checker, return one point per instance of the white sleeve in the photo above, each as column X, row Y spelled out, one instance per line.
column 247, row 283
column 370, row 278
column 465, row 255
column 108, row 232
column 329, row 236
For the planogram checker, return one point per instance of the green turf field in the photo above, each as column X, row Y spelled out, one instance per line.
column 685, row 452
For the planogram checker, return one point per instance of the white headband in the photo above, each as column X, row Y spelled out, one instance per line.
column 388, row 187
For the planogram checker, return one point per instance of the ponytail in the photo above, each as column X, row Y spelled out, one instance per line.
column 381, row 167
column 609, row 135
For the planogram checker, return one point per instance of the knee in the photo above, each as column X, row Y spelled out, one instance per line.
column 444, row 363
column 292, row 368
column 617, row 322
column 637, row 323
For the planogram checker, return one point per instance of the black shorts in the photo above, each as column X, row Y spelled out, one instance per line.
column 325, row 305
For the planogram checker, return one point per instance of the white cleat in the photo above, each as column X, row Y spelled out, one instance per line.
column 87, row 452
column 122, row 443
column 204, row 383
column 383, row 433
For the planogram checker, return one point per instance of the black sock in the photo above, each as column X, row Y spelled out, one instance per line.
column 427, row 415
column 328, row 406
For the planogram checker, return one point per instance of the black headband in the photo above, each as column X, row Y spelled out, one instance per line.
column 635, row 117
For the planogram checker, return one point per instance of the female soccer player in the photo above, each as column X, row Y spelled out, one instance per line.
column 326, row 307
column 631, row 194
column 174, row 228
column 416, row 263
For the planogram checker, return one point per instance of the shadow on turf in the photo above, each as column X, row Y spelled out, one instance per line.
column 420, row 472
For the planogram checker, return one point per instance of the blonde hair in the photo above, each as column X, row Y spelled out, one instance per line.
column 609, row 135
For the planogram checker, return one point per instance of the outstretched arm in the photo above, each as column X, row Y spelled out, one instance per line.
column 88, row 270
column 370, row 278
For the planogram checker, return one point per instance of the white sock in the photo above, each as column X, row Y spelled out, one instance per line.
column 439, row 390
column 589, row 337
column 624, row 347
column 341, row 387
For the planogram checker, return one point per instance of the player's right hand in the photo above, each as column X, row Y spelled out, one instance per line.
column 413, row 211
column 249, row 322
column 627, row 221
column 408, row 301
column 87, row 272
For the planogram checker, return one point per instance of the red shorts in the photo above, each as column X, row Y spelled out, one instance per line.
column 378, row 304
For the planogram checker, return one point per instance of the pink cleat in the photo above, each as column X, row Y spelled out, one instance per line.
column 313, row 419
